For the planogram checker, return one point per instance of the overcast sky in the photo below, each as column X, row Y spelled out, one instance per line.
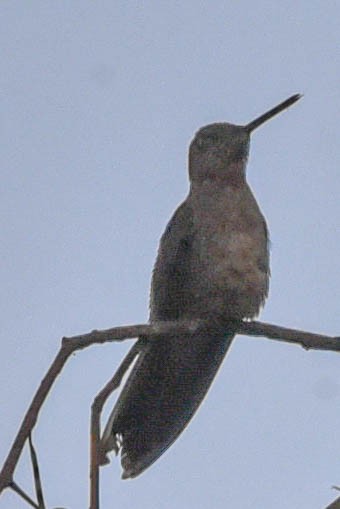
column 99, row 101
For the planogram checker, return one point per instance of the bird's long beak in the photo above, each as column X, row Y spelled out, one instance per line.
column 271, row 113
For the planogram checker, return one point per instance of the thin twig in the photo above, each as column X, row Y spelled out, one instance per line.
column 152, row 331
column 308, row 340
column 97, row 407
column 98, row 337
column 23, row 495
column 28, row 423
column 36, row 474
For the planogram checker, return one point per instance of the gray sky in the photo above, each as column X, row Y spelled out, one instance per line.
column 99, row 101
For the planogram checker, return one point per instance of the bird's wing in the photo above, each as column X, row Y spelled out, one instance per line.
column 171, row 273
column 172, row 374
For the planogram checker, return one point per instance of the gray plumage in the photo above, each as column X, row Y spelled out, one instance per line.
column 212, row 264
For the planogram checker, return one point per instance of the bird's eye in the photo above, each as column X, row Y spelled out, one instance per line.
column 206, row 140
column 211, row 139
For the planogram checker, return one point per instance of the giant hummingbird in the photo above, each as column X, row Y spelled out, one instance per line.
column 212, row 265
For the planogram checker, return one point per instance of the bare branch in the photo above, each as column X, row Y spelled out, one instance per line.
column 98, row 337
column 308, row 340
column 97, row 407
column 36, row 474
column 152, row 331
column 23, row 495
column 28, row 423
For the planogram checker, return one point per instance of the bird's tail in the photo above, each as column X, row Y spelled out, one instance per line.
column 165, row 388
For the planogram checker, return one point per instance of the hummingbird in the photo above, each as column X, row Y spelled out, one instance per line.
column 212, row 265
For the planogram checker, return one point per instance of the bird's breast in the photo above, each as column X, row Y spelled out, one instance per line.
column 231, row 262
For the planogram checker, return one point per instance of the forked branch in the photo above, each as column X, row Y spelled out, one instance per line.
column 151, row 332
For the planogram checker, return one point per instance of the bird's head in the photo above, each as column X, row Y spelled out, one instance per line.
column 219, row 151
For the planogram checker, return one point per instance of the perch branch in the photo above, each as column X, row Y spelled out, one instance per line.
column 151, row 331
column 308, row 340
